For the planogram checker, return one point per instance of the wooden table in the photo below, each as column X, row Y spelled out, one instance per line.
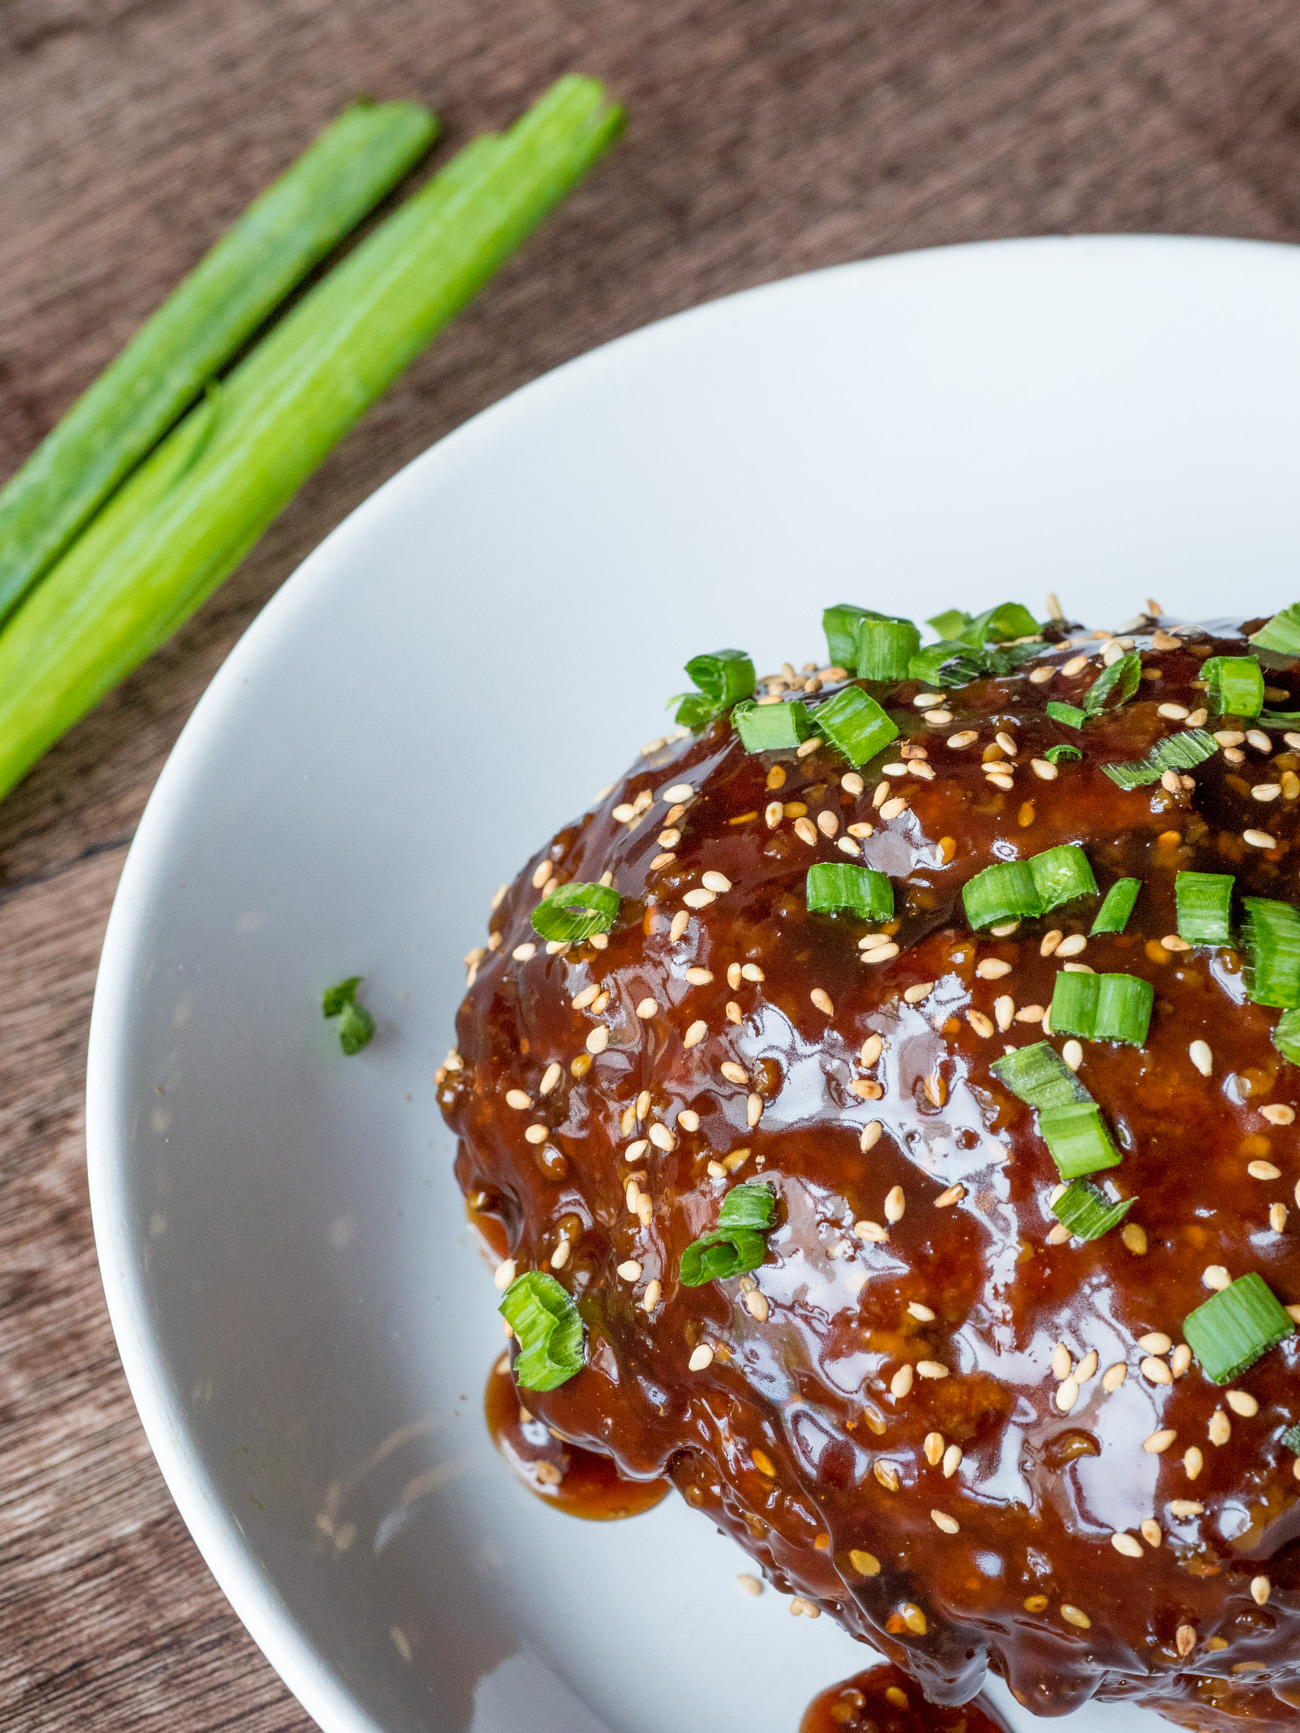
column 767, row 136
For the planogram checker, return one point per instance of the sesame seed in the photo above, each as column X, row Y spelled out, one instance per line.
column 964, row 737
column 805, row 830
column 1040, row 676
column 1277, row 1217
column 550, row 1077
column 1086, row 1367
column 696, row 1033
column 954, row 1194
column 1058, row 1235
column 901, row 1383
column 1004, row 1010
column 650, row 1299
column 1113, row 1377
column 1031, row 1014
column 918, row 767
column 914, row 1618
column 1008, row 745
column 1072, row 1053
column 880, row 953
column 827, row 823
column 669, row 838
column 524, row 953
column 1062, row 1363
column 1035, row 1603
column 734, row 1073
column 699, row 977
column 920, row 1311
column 951, row 1460
column 536, row 1134
column 1263, row 1170
column 1201, row 1057
column 598, row 1040
column 504, row 1274
column 1216, row 1276
column 756, row 1305
column 630, row 1270
column 1174, row 712
column 635, row 1151
column 701, row 1358
column 1185, row 1640
column 1045, row 768
column 773, row 813
column 807, row 747
column 1156, row 1371
column 1229, row 736
column 1075, row 665
column 737, row 1158
column 941, row 1520
column 927, row 700
column 931, row 1369
column 1155, row 1342
column 517, row 1099
column 749, row 1584
column 895, row 1204
column 678, row 791
column 982, row 1025
column 1073, row 945
column 662, row 1138
column 1000, row 779
column 1182, row 1359
column 754, row 1109
column 871, row 1049
column 1266, row 791
column 1126, row 1544
column 716, row 1170
column 1260, row 1590
column 870, row 1135
column 1259, row 740
column 733, row 1012
column 647, row 1008
column 1219, row 1430
column 623, row 812
column 1258, row 839
column 992, row 969
column 560, row 1256
column 886, row 1474
column 600, row 1001
column 893, row 808
column 921, row 990
column 822, row 1000
column 699, row 899
column 1242, row 1402
column 581, row 1000
column 751, row 972
column 1194, row 1462
column 717, row 882
column 1073, row 1616
column 1159, row 1441
column 1067, row 1394
column 938, row 718
column 872, row 1232
column 680, row 921
column 1278, row 1114
column 865, row 1563
column 1184, row 1507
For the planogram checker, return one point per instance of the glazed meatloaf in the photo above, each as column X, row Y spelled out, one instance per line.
column 884, row 1097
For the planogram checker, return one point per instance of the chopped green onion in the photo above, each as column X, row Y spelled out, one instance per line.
column 1117, row 906
column 748, row 1206
column 576, row 911
column 194, row 334
column 1204, row 903
column 855, row 725
column 1039, row 1076
column 1281, row 634
column 1005, row 891
column 956, row 663
column 1234, row 685
column 181, row 522
column 861, row 890
column 1112, row 1007
column 1235, row 1326
column 841, row 624
column 356, row 1025
column 1278, row 719
column 772, row 727
column 1061, row 875
column 1114, row 685
column 1062, row 750
column 548, row 1329
column 950, row 625
column 934, row 664
column 997, row 625
column 1176, row 752
column 1272, row 934
column 1078, row 1140
column 1291, row 1437
column 723, row 678
column 1087, row 1212
column 1286, row 1037
column 737, row 1243
column 1069, row 714
column 885, row 649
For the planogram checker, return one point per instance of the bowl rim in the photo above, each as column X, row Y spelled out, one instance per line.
column 269, row 1621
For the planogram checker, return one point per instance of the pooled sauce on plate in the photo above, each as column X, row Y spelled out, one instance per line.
column 577, row 1481
column 885, row 1700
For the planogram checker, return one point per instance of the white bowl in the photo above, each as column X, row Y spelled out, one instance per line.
column 305, row 1325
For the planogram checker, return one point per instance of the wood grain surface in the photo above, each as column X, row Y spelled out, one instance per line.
column 766, row 137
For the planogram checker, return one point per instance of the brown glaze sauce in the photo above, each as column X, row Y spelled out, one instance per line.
column 964, row 1520
column 579, row 1482
column 885, row 1700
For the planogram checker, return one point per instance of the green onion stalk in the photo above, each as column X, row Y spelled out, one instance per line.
column 182, row 522
column 198, row 330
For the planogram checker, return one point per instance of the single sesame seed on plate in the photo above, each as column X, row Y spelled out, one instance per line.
column 964, row 737
column 598, row 1040
column 982, row 1026
column 805, row 829
column 647, row 1008
column 1242, row 1402
column 1172, row 712
column 847, row 845
column 895, row 1204
column 901, row 1383
column 714, row 881
column 504, row 1274
column 1072, row 946
column 951, row 1460
column 1007, row 743
column 756, row 1304
column 524, row 953
column 954, row 1194
column 1044, row 768
column 1158, row 1442
column 1258, row 839
column 931, row 1369
column 630, row 1270
column 921, row 990
column 1185, row 1507
column 650, row 1299
column 941, row 1520
column 1004, row 1011
column 1181, row 1358
column 1127, row 1544
column 696, row 1033
column 992, row 969
column 1277, row 1214
column 751, row 972
column 662, row 1138
column 872, row 1232
column 1201, row 1057
column 938, row 718
column 678, row 792
column 699, row 977
column 1155, row 1342
column 1134, row 1237
column 894, row 808
column 688, row 1119
column 1086, row 1367
column 1219, row 1429
column 701, row 1358
column 680, row 921
column 927, row 700
column 880, row 953
column 871, row 1133
column 1266, row 791
column 1155, row 1371
column 1193, row 1462
column 1278, row 1113
column 827, row 823
column 1259, row 740
column 536, row 1133
column 1216, row 1276
column 1062, row 1362
column 669, row 838
column 920, row 1311
column 1040, row 676
column 754, row 1109
column 699, row 899
column 1113, row 1377
column 1263, row 1170
column 822, row 1000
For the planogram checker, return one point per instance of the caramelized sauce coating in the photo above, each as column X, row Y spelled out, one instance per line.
column 964, row 1436
column 579, row 1482
column 885, row 1700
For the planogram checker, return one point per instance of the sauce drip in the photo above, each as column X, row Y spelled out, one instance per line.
column 885, row 1700
column 577, row 1481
